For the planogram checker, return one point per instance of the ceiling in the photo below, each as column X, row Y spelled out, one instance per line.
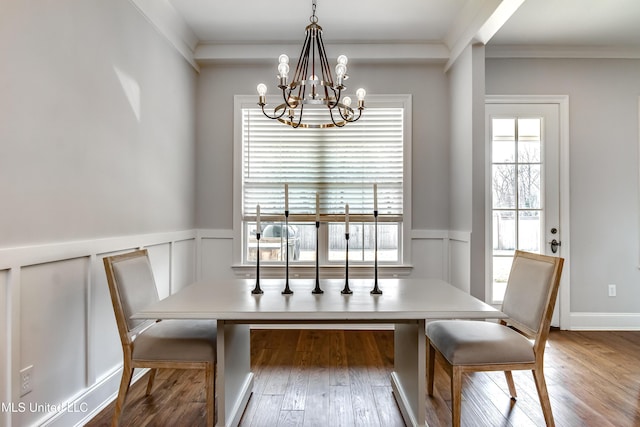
column 575, row 23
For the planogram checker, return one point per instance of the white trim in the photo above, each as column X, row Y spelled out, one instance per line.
column 605, row 322
column 383, row 52
column 563, row 102
column 39, row 254
column 638, row 166
column 562, row 52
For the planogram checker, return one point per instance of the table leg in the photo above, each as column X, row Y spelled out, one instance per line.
column 234, row 380
column 408, row 379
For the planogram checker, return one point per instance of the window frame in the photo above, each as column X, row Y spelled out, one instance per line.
column 240, row 227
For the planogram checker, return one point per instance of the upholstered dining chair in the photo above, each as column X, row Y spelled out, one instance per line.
column 177, row 344
column 515, row 343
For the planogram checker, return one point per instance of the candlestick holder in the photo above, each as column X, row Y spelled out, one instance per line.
column 287, row 290
column 376, row 290
column 317, row 289
column 257, row 289
column 346, row 289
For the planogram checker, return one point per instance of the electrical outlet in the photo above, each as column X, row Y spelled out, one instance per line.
column 26, row 380
column 612, row 290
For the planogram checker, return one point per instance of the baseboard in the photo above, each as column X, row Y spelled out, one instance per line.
column 82, row 408
column 605, row 321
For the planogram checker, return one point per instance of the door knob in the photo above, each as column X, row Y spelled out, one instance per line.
column 554, row 245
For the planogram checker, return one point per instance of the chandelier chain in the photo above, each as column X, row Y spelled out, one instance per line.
column 313, row 18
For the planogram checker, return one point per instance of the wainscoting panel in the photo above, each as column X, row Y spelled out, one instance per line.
column 160, row 257
column 428, row 258
column 183, row 265
column 216, row 256
column 52, row 333
column 459, row 262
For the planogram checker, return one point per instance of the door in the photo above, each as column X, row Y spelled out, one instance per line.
column 523, row 187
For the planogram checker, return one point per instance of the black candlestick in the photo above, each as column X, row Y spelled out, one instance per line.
column 287, row 290
column 346, row 289
column 257, row 289
column 317, row 289
column 376, row 290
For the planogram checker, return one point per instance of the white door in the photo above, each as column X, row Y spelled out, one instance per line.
column 523, row 187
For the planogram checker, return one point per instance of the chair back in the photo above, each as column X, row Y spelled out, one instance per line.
column 132, row 288
column 531, row 292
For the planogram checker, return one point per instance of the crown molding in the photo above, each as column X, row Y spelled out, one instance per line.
column 403, row 52
column 571, row 52
column 169, row 23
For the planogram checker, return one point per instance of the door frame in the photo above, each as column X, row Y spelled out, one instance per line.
column 564, row 304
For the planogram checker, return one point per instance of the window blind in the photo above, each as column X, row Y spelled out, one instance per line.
column 341, row 164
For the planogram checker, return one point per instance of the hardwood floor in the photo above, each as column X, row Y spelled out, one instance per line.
column 341, row 378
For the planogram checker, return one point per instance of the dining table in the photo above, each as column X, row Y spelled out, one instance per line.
column 405, row 304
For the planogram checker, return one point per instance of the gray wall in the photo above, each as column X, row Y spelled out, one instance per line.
column 97, row 156
column 427, row 82
column 603, row 105
column 97, row 130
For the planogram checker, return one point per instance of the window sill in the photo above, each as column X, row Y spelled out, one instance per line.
column 330, row 271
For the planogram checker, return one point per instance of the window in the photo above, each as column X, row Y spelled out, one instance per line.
column 341, row 165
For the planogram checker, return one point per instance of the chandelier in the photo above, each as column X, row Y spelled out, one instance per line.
column 313, row 85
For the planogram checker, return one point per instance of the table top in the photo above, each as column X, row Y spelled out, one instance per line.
column 402, row 299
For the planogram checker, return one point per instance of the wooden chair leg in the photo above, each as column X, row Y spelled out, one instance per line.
column 431, row 363
column 210, row 387
column 456, row 396
column 512, row 386
column 541, row 385
column 152, row 377
column 125, row 382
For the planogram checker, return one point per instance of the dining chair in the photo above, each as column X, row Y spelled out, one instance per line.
column 176, row 344
column 515, row 343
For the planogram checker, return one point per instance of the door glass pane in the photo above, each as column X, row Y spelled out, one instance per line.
column 504, row 186
column 529, row 231
column 504, row 232
column 529, row 187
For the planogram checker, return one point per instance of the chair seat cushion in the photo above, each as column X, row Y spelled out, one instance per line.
column 177, row 341
column 464, row 342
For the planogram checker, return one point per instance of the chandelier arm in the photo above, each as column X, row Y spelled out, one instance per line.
column 296, row 125
column 351, row 120
column 337, row 124
column 275, row 116
column 337, row 94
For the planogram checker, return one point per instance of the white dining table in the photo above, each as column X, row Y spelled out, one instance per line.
column 407, row 304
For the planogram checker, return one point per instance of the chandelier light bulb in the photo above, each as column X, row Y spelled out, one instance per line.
column 341, row 70
column 361, row 93
column 342, row 59
column 346, row 101
column 283, row 69
column 262, row 89
column 283, row 59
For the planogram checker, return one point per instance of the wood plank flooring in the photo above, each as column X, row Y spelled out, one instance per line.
column 329, row 378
